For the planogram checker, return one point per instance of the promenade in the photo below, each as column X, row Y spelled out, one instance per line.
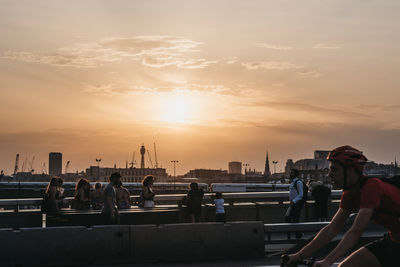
column 254, row 234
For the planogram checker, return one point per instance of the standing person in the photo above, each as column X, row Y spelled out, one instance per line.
column 51, row 200
column 295, row 197
column 147, row 193
column 82, row 195
column 374, row 199
column 219, row 208
column 123, row 197
column 194, row 199
column 110, row 212
column 321, row 193
column 96, row 197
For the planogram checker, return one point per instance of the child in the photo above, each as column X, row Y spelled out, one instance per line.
column 219, row 208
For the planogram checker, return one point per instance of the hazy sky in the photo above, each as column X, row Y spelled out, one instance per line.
column 207, row 81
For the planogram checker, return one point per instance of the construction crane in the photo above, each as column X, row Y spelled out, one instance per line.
column 31, row 164
column 151, row 162
column 132, row 163
column 155, row 156
column 44, row 168
column 66, row 167
column 16, row 164
column 24, row 164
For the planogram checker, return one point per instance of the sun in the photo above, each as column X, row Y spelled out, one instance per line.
column 177, row 108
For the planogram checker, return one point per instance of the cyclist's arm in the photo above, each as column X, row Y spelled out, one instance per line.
column 325, row 235
column 352, row 235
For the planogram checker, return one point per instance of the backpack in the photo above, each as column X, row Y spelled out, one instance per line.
column 395, row 180
column 305, row 190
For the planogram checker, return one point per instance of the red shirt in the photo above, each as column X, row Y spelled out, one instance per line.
column 380, row 196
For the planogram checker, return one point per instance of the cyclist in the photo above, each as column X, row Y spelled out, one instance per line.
column 374, row 199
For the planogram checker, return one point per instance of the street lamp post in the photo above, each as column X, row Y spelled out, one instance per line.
column 174, row 162
column 98, row 169
column 275, row 162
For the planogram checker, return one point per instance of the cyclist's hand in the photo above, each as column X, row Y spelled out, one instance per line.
column 321, row 263
column 289, row 259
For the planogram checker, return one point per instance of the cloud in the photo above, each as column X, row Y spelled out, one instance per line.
column 385, row 108
column 155, row 51
column 105, row 89
column 307, row 108
column 310, row 73
column 160, row 62
column 278, row 84
column 231, row 60
column 326, row 46
column 271, row 65
column 115, row 89
column 274, row 47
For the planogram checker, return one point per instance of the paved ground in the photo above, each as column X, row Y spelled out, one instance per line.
column 224, row 263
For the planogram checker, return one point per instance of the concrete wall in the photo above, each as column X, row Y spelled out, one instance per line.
column 123, row 244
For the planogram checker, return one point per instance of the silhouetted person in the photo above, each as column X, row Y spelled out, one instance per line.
column 51, row 200
column 82, row 195
column 194, row 199
column 97, row 197
column 219, row 208
column 321, row 194
column 123, row 197
column 110, row 212
column 295, row 197
column 147, row 194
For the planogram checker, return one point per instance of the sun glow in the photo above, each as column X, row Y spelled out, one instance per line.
column 177, row 108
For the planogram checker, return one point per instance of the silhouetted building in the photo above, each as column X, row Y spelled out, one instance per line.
column 267, row 172
column 55, row 164
column 133, row 175
column 235, row 167
column 210, row 176
column 321, row 154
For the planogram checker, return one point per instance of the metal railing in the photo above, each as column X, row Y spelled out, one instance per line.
column 175, row 199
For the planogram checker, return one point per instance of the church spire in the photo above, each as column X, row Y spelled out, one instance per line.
column 267, row 172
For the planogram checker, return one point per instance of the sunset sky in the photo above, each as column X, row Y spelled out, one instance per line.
column 208, row 81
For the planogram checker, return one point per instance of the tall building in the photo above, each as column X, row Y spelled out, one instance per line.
column 235, row 167
column 267, row 172
column 142, row 152
column 55, row 164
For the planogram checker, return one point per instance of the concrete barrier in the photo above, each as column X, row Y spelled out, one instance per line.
column 16, row 220
column 122, row 244
column 200, row 241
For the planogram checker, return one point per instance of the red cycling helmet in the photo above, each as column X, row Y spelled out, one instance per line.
column 348, row 156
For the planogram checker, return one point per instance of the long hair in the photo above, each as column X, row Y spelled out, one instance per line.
column 53, row 182
column 81, row 184
column 147, row 179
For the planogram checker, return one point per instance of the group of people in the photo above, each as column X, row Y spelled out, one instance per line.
column 193, row 200
column 298, row 193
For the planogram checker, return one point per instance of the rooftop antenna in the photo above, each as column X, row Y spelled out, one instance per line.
column 155, row 156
